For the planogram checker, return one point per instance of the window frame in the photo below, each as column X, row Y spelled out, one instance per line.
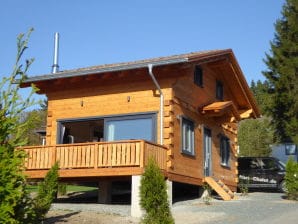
column 225, row 151
column 187, row 150
column 198, row 76
column 151, row 116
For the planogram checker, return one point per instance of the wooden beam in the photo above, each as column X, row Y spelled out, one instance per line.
column 185, row 179
column 246, row 114
column 76, row 173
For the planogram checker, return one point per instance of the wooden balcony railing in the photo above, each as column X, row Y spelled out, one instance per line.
column 95, row 155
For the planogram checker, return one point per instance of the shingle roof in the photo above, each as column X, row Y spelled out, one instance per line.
column 174, row 59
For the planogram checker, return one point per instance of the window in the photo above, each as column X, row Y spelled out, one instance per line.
column 95, row 129
column 219, row 90
column 270, row 164
column 130, row 127
column 187, row 136
column 80, row 130
column 224, row 151
column 198, row 76
column 290, row 149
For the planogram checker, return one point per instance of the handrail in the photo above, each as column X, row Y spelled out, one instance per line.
column 95, row 155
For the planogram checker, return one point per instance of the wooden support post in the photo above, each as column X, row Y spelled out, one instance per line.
column 104, row 192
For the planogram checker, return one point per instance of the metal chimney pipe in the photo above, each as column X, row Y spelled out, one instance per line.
column 55, row 66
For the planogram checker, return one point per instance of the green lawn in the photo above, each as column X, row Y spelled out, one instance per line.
column 78, row 188
column 69, row 188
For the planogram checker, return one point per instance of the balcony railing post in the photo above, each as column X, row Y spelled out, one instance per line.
column 54, row 153
column 96, row 155
column 142, row 152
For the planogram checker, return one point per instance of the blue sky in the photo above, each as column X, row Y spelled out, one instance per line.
column 94, row 32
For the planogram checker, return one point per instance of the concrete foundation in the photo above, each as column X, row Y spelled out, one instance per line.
column 170, row 192
column 136, row 210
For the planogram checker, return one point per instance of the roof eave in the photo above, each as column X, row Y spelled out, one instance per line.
column 75, row 73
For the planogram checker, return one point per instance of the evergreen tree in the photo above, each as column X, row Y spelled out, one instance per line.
column 255, row 137
column 37, row 121
column 15, row 203
column 261, row 91
column 47, row 191
column 154, row 198
column 282, row 75
column 291, row 179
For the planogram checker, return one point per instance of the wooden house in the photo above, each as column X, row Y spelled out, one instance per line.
column 105, row 122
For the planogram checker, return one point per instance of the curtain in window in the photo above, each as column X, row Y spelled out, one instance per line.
column 62, row 133
column 111, row 132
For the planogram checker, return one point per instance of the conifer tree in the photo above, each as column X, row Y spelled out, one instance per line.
column 154, row 198
column 47, row 191
column 282, row 75
column 261, row 91
column 15, row 203
column 255, row 137
column 291, row 179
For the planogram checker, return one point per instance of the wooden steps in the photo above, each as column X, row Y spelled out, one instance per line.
column 221, row 189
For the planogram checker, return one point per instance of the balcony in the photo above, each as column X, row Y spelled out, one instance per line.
column 95, row 159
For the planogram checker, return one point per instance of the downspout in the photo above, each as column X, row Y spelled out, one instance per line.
column 150, row 67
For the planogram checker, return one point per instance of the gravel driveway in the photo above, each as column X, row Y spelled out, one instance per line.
column 256, row 208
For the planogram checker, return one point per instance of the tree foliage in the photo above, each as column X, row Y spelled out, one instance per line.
column 292, row 179
column 255, row 137
column 261, row 91
column 154, row 198
column 282, row 75
column 15, row 203
column 47, row 191
column 37, row 121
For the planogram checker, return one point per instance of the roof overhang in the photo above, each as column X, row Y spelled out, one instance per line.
column 218, row 109
column 99, row 70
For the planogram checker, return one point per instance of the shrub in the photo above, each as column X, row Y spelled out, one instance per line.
column 207, row 197
column 154, row 198
column 292, row 179
column 47, row 191
column 243, row 187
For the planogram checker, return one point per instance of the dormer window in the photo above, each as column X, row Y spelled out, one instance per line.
column 198, row 76
column 219, row 90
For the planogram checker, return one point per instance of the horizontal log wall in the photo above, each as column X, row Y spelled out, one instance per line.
column 187, row 101
column 115, row 100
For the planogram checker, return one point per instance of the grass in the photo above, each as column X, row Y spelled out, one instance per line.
column 69, row 188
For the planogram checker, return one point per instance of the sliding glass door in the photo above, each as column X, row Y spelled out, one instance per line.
column 131, row 127
column 138, row 126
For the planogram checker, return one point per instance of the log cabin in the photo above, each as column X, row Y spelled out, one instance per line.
column 105, row 122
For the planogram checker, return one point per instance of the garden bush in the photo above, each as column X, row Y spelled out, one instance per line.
column 292, row 179
column 154, row 197
column 47, row 191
